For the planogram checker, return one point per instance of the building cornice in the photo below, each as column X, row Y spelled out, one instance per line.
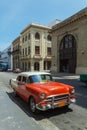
column 73, row 18
column 36, row 26
column 16, row 40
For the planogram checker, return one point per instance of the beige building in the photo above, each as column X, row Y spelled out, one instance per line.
column 69, row 44
column 35, row 47
column 16, row 53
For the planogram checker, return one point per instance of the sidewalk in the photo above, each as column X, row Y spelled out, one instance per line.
column 11, row 115
column 65, row 75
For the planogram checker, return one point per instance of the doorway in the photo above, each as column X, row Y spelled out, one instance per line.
column 67, row 54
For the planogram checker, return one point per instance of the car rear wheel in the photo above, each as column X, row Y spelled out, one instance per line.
column 15, row 93
column 32, row 105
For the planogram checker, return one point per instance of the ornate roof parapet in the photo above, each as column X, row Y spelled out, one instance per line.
column 71, row 19
column 35, row 25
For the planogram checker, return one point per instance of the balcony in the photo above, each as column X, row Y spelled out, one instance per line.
column 15, row 51
column 25, row 57
column 37, row 56
column 48, row 57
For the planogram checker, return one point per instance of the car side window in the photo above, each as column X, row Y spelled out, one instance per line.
column 24, row 79
column 29, row 80
column 48, row 78
column 19, row 78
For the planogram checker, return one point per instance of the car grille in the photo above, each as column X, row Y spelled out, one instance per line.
column 57, row 98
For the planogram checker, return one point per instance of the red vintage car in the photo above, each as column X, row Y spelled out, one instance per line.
column 41, row 91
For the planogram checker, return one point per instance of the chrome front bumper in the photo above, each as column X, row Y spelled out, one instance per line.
column 55, row 102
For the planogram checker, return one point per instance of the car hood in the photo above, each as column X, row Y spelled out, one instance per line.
column 51, row 88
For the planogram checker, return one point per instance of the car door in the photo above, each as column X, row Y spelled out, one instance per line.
column 23, row 89
column 18, row 82
column 21, row 84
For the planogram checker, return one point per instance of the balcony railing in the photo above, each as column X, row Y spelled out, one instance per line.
column 25, row 57
column 15, row 51
column 37, row 56
column 49, row 57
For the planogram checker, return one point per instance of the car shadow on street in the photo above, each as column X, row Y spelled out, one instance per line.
column 42, row 114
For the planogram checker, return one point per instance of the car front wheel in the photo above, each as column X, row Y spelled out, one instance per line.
column 32, row 105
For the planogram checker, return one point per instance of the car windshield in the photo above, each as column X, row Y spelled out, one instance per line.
column 40, row 78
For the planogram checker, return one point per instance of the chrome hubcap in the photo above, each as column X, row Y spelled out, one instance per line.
column 32, row 105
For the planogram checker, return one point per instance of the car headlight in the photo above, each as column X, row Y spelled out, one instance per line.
column 42, row 96
column 73, row 91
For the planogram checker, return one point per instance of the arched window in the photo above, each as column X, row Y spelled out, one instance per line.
column 37, row 35
column 28, row 36
column 49, row 38
column 29, row 65
column 23, row 39
column 36, row 66
column 23, row 65
column 67, row 42
column 68, row 54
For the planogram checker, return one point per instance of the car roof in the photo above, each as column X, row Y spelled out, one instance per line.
column 33, row 73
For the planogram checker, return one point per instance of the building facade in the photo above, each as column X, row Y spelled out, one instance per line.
column 35, row 46
column 16, row 53
column 69, row 44
column 6, row 56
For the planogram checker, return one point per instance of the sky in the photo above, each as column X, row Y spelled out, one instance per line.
column 15, row 15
